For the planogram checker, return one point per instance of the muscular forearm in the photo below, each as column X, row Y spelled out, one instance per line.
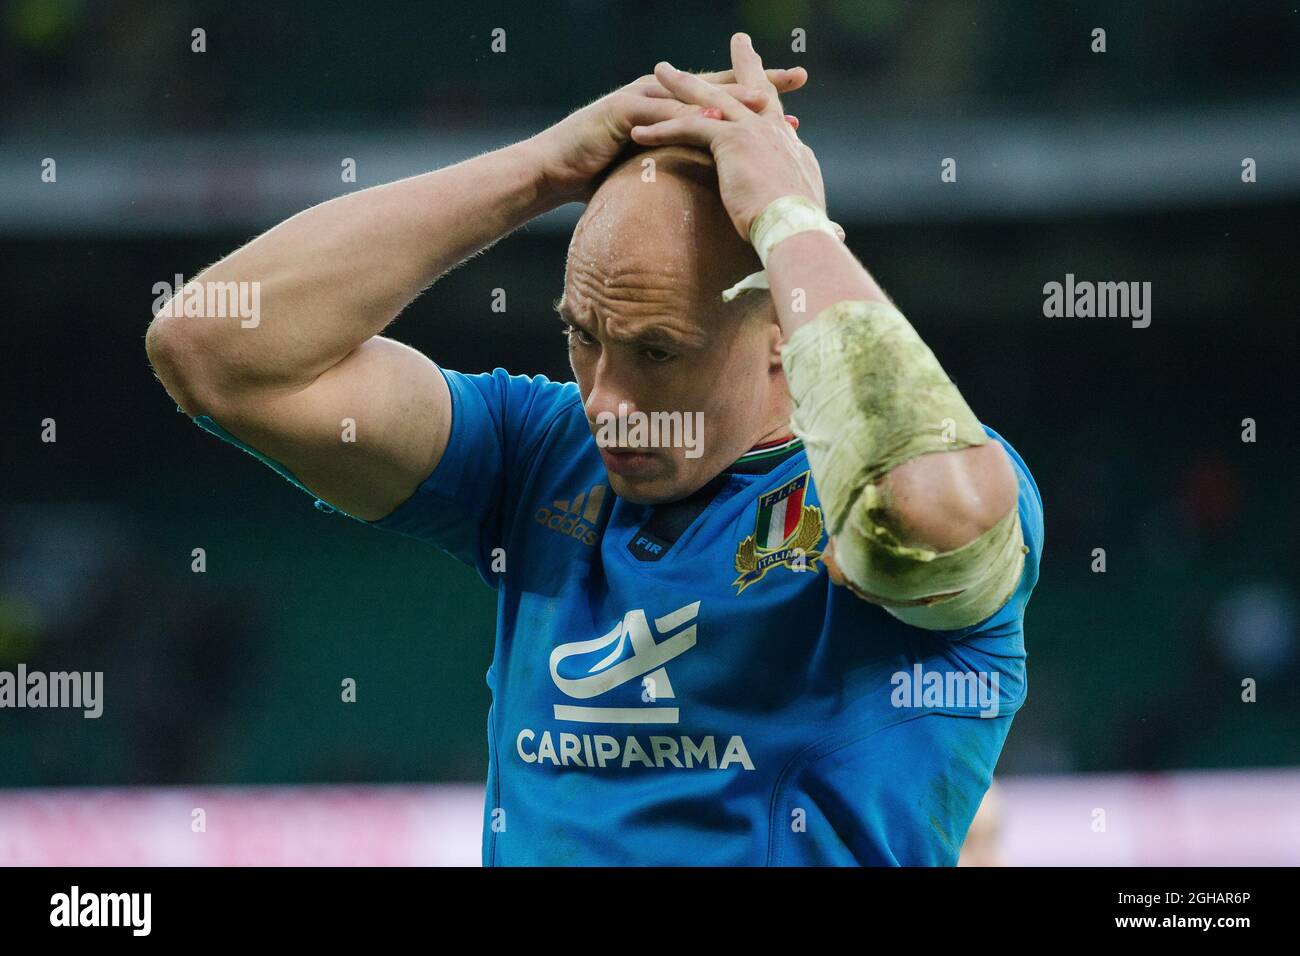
column 335, row 275
column 810, row 272
column 935, row 501
column 920, row 504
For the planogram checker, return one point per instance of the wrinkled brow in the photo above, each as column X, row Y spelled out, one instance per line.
column 651, row 336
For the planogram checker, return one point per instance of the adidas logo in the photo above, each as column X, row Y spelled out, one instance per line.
column 576, row 518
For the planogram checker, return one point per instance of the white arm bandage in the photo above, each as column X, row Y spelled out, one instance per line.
column 868, row 396
column 780, row 220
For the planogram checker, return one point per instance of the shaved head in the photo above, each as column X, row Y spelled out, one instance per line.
column 663, row 204
column 649, row 332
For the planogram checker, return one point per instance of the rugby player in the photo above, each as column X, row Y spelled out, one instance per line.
column 799, row 642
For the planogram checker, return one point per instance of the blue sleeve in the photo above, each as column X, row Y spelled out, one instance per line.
column 901, row 795
column 1009, row 617
column 498, row 426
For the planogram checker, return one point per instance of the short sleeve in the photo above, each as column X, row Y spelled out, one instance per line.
column 1030, row 505
column 498, row 424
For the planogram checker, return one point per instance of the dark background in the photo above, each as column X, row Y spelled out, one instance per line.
column 1126, row 168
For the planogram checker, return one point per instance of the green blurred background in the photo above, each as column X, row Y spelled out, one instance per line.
column 1122, row 166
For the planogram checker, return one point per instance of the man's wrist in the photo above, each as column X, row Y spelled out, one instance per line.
column 537, row 190
column 784, row 217
column 780, row 220
column 554, row 187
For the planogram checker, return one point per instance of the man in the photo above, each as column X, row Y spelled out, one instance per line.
column 678, row 677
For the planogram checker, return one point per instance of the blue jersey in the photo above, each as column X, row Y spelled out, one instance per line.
column 682, row 684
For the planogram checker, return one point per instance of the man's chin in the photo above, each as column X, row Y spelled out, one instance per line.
column 644, row 491
column 654, row 490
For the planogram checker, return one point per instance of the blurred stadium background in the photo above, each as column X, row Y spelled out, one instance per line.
column 222, row 688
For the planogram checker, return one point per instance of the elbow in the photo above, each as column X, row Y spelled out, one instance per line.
column 158, row 343
column 173, row 358
column 945, row 500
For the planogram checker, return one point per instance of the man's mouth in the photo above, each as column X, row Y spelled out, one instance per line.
column 628, row 462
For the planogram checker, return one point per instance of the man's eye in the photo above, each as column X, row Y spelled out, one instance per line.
column 658, row 355
column 576, row 334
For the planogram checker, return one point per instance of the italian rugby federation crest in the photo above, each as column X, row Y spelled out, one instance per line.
column 786, row 533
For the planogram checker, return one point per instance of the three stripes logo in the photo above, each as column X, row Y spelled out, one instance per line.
column 576, row 518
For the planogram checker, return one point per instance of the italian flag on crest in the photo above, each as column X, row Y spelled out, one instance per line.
column 779, row 514
column 786, row 535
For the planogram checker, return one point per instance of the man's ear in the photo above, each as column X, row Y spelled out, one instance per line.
column 775, row 338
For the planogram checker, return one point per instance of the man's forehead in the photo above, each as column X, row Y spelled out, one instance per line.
column 665, row 219
column 661, row 316
column 681, row 249
column 637, row 296
column 647, row 264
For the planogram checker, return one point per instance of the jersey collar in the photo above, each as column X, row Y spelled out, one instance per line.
column 763, row 458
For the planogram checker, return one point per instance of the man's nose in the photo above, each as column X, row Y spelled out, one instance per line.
column 607, row 401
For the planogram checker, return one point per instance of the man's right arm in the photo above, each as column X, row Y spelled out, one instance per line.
column 330, row 279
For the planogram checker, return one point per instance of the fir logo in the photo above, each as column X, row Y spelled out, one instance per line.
column 576, row 518
column 785, row 533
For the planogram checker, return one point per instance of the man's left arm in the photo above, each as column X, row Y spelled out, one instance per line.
column 921, row 504
column 940, row 500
